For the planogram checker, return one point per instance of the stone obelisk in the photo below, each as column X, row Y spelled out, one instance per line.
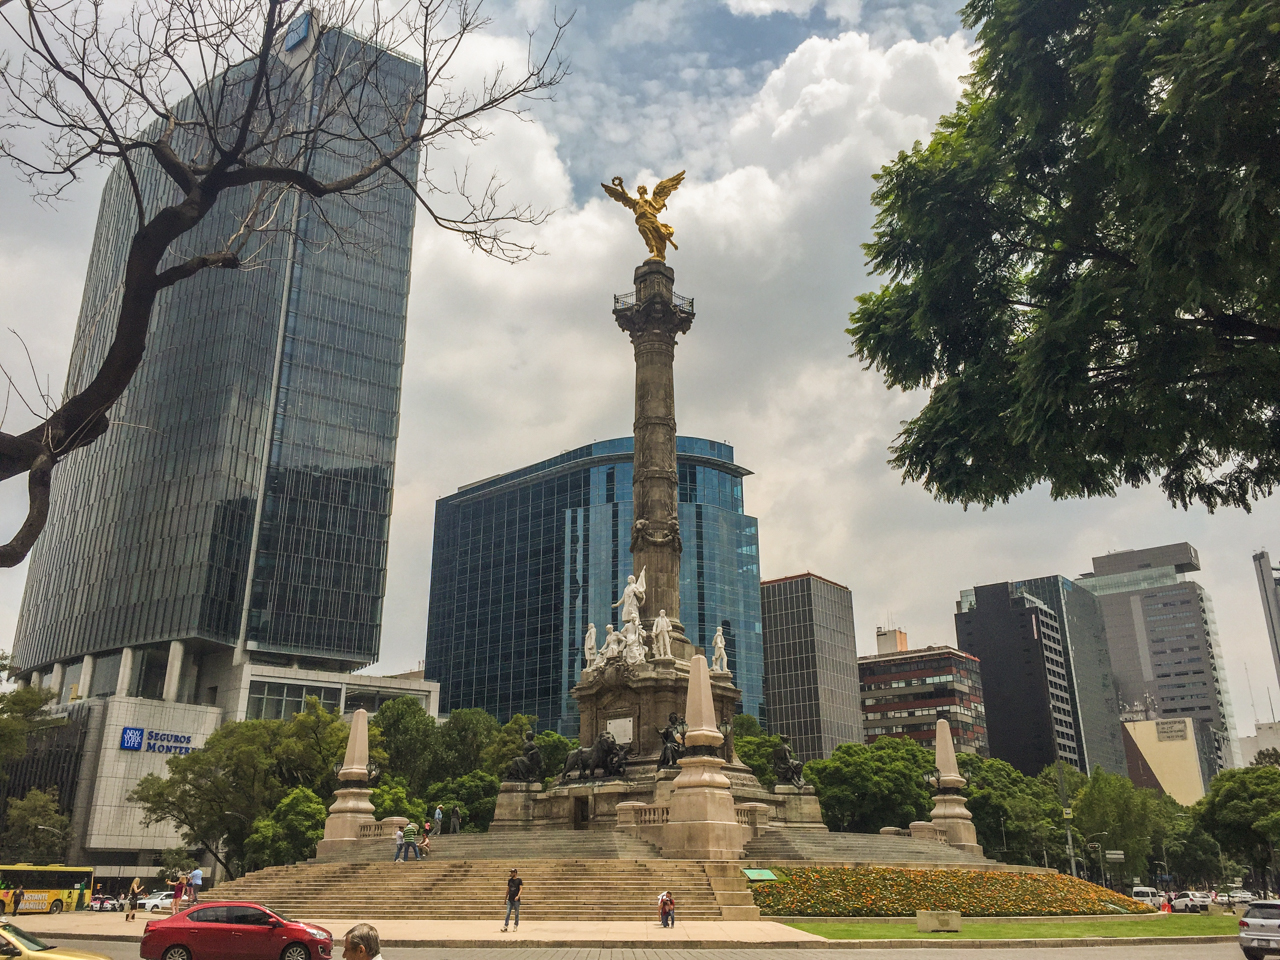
column 653, row 318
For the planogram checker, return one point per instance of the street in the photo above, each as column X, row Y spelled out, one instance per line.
column 1190, row 951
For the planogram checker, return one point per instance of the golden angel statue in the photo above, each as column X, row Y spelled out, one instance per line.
column 656, row 235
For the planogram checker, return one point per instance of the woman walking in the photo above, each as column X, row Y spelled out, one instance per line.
column 135, row 891
column 179, row 888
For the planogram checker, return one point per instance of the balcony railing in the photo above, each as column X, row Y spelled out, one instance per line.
column 622, row 301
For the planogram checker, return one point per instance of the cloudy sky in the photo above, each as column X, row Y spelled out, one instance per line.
column 780, row 111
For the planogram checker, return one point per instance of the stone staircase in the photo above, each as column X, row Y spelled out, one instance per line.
column 567, row 875
column 516, row 845
column 860, row 848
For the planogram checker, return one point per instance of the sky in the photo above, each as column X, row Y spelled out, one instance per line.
column 780, row 111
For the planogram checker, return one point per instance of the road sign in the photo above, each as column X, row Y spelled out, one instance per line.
column 1094, row 846
column 1066, row 813
column 1115, row 854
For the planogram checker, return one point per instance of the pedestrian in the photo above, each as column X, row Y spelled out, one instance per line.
column 439, row 818
column 399, row 845
column 424, row 847
column 455, row 820
column 667, row 909
column 18, row 894
column 514, row 883
column 362, row 943
column 411, row 840
column 195, row 883
column 179, row 889
column 135, row 891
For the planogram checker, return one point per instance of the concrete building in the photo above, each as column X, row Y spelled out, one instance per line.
column 1177, row 757
column 222, row 549
column 810, row 664
column 906, row 692
column 1163, row 637
column 1030, row 706
column 1266, row 736
column 890, row 640
column 523, row 561
column 1269, row 588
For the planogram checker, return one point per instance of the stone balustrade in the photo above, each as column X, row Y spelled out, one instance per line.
column 381, row 829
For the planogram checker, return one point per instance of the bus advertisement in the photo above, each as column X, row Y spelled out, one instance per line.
column 45, row 889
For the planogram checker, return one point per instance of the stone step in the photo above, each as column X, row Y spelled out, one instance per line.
column 796, row 844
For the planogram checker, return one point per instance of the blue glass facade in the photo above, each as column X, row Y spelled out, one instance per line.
column 279, row 383
column 524, row 561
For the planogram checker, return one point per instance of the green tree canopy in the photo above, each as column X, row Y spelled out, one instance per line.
column 463, row 739
column 391, row 797
column 1267, row 756
column 475, row 794
column 555, row 750
column 863, row 788
column 411, row 739
column 36, row 830
column 174, row 862
column 289, row 833
column 506, row 744
column 756, row 751
column 1084, row 259
column 1111, row 803
column 1236, row 812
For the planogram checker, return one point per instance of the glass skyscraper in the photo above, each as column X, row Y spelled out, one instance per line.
column 522, row 562
column 243, row 493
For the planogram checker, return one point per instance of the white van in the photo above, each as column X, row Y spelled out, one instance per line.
column 1148, row 895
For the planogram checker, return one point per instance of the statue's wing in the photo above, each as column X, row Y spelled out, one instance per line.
column 667, row 187
column 620, row 194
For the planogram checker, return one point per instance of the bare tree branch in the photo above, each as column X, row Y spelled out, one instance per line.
column 203, row 94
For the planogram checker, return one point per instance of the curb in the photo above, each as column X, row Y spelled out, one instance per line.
column 958, row 944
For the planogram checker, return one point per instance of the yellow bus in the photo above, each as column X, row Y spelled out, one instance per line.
column 49, row 889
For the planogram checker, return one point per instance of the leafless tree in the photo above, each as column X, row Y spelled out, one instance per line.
column 213, row 94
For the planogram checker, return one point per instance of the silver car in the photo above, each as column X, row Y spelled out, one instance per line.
column 1260, row 929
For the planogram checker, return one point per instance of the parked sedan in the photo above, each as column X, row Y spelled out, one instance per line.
column 234, row 930
column 1191, row 901
column 102, row 902
column 1260, row 929
column 1243, row 896
column 15, row 942
column 157, row 901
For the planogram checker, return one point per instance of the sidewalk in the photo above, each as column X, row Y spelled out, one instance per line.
column 475, row 933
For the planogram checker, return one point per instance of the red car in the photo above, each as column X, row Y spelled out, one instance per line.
column 234, row 930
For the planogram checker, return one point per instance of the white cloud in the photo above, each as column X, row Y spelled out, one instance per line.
column 507, row 365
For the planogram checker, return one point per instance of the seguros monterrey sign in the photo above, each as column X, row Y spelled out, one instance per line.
column 154, row 741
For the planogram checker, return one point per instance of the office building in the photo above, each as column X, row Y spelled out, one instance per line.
column 221, row 550
column 906, row 692
column 1163, row 637
column 1269, row 588
column 524, row 561
column 1031, row 718
column 810, row 664
column 1088, row 660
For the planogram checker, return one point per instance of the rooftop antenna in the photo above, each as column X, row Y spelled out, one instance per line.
column 1273, row 706
column 1249, row 681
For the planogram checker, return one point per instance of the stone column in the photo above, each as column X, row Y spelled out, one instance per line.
column 173, row 670
column 351, row 806
column 126, row 672
column 653, row 320
column 702, row 823
column 37, row 679
column 950, row 816
column 55, row 681
column 86, row 675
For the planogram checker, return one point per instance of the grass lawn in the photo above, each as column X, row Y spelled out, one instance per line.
column 1171, row 926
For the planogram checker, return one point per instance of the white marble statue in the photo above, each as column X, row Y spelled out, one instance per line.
column 719, row 660
column 661, row 636
column 612, row 644
column 632, row 597
column 589, row 645
column 633, row 647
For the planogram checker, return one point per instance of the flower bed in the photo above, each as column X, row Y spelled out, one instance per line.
column 884, row 892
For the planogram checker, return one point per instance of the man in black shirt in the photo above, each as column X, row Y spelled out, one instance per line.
column 514, row 883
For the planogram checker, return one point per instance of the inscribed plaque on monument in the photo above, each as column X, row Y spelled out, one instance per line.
column 1171, row 730
column 622, row 729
